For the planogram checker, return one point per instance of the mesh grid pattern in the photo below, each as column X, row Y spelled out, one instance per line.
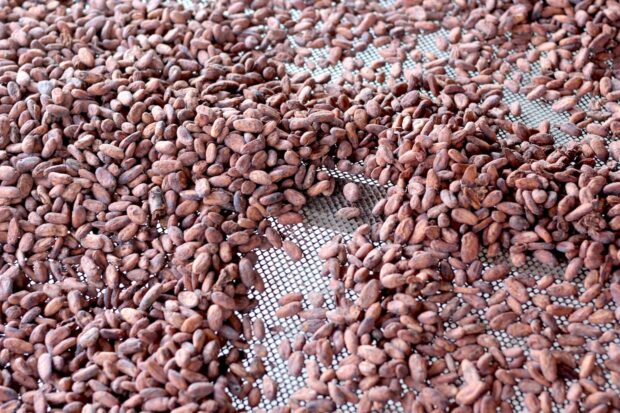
column 321, row 223
column 281, row 275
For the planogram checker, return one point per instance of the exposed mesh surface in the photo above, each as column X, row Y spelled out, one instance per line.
column 282, row 275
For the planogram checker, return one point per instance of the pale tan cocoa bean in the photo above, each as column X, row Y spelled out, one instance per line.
column 351, row 192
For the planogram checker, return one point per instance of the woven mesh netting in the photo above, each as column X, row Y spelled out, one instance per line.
column 283, row 276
